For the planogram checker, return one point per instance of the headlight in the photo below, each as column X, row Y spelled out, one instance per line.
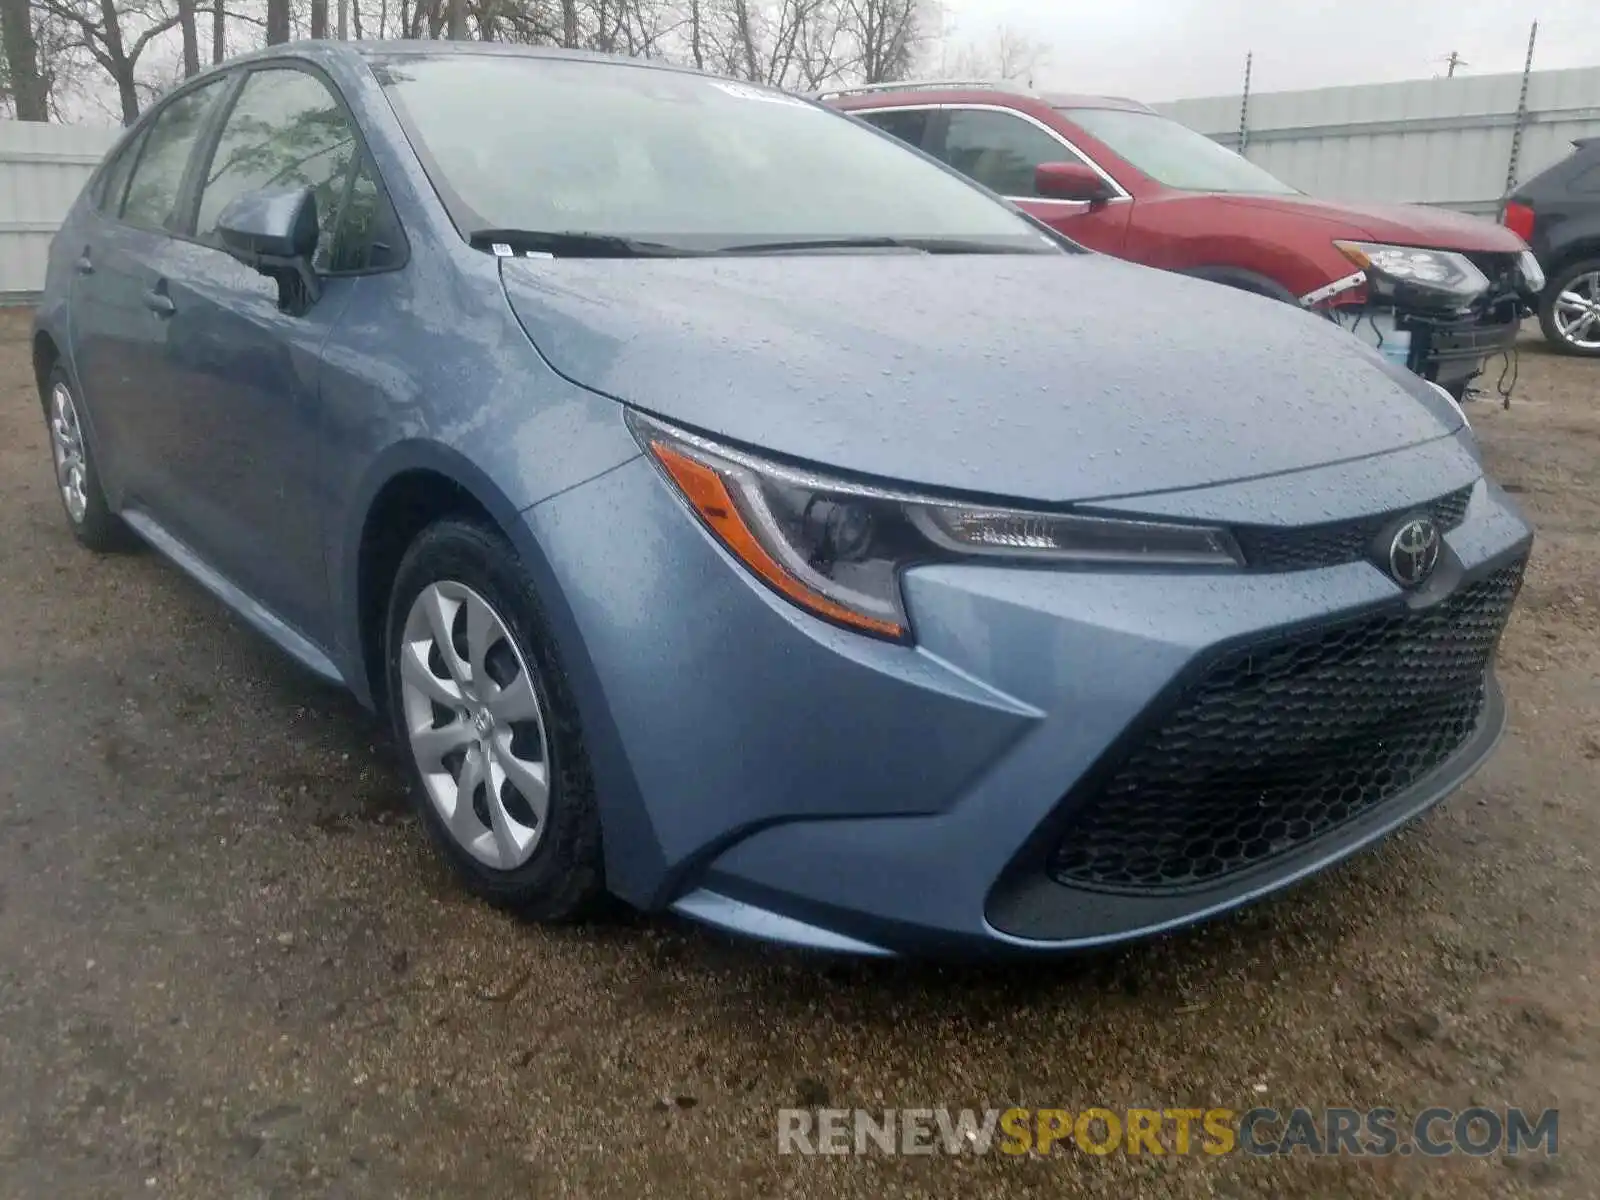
column 1418, row 276
column 836, row 548
column 1532, row 272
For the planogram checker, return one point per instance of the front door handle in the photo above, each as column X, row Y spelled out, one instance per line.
column 160, row 303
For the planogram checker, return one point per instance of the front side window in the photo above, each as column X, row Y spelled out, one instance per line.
column 675, row 158
column 368, row 237
column 157, row 179
column 286, row 130
column 1001, row 150
column 1174, row 154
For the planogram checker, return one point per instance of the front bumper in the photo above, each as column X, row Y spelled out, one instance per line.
column 1451, row 353
column 760, row 770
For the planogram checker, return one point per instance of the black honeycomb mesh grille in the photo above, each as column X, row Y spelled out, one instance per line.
column 1336, row 542
column 1281, row 743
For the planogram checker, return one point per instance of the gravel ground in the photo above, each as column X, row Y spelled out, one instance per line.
column 230, row 967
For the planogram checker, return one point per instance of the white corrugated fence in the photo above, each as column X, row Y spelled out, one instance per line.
column 42, row 170
column 1431, row 141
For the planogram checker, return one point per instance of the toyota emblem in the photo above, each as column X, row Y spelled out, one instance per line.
column 1414, row 552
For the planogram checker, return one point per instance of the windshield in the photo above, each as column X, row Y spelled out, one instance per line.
column 1174, row 154
column 673, row 159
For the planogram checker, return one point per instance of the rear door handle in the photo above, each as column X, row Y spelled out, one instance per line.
column 160, row 303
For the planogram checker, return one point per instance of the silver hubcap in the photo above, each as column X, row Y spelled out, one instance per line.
column 66, row 441
column 475, row 724
column 1577, row 311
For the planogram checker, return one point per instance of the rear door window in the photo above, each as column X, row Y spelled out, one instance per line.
column 156, row 185
column 908, row 124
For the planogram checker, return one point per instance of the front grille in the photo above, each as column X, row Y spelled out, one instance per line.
column 1336, row 542
column 1282, row 742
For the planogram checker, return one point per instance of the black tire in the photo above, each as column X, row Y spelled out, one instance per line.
column 564, row 877
column 1547, row 307
column 98, row 528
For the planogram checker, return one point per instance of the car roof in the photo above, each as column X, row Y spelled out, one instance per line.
column 1073, row 100
column 327, row 49
column 961, row 92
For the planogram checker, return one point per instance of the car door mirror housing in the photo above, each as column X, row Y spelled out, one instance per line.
column 274, row 231
column 1071, row 181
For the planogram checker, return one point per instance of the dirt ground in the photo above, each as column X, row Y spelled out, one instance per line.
column 230, row 967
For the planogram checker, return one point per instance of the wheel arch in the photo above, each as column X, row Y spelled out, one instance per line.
column 46, row 355
column 1573, row 252
column 440, row 476
column 1244, row 280
column 411, row 486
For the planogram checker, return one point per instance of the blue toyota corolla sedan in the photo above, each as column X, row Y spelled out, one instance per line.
column 738, row 512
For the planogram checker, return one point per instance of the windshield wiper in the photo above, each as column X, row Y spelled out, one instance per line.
column 574, row 243
column 925, row 245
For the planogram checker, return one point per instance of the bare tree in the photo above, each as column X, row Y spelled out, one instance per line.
column 1016, row 56
column 191, row 38
column 697, row 47
column 97, row 28
column 887, row 34
column 30, row 92
column 219, row 31
column 456, row 20
column 277, row 22
column 319, row 18
column 1005, row 55
column 745, row 31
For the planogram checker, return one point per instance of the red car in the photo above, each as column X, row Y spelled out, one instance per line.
column 1436, row 290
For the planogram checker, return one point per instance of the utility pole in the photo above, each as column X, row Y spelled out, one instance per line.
column 1244, row 105
column 1522, row 112
column 1452, row 61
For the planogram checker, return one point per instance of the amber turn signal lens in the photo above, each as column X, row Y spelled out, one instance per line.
column 707, row 492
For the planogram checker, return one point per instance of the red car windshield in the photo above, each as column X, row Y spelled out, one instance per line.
column 1175, row 155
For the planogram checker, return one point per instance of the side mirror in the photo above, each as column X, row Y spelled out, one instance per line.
column 274, row 231
column 1071, row 181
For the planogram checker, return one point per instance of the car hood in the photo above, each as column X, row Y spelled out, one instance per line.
column 1050, row 377
column 1399, row 224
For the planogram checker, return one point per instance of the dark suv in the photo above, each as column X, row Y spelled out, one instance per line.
column 1558, row 213
column 1435, row 290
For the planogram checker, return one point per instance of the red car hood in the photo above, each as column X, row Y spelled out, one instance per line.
column 1400, row 224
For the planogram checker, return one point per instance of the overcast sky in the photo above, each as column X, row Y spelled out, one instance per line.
column 1167, row 49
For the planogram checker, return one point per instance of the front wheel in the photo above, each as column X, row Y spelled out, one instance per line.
column 1569, row 310
column 478, row 698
